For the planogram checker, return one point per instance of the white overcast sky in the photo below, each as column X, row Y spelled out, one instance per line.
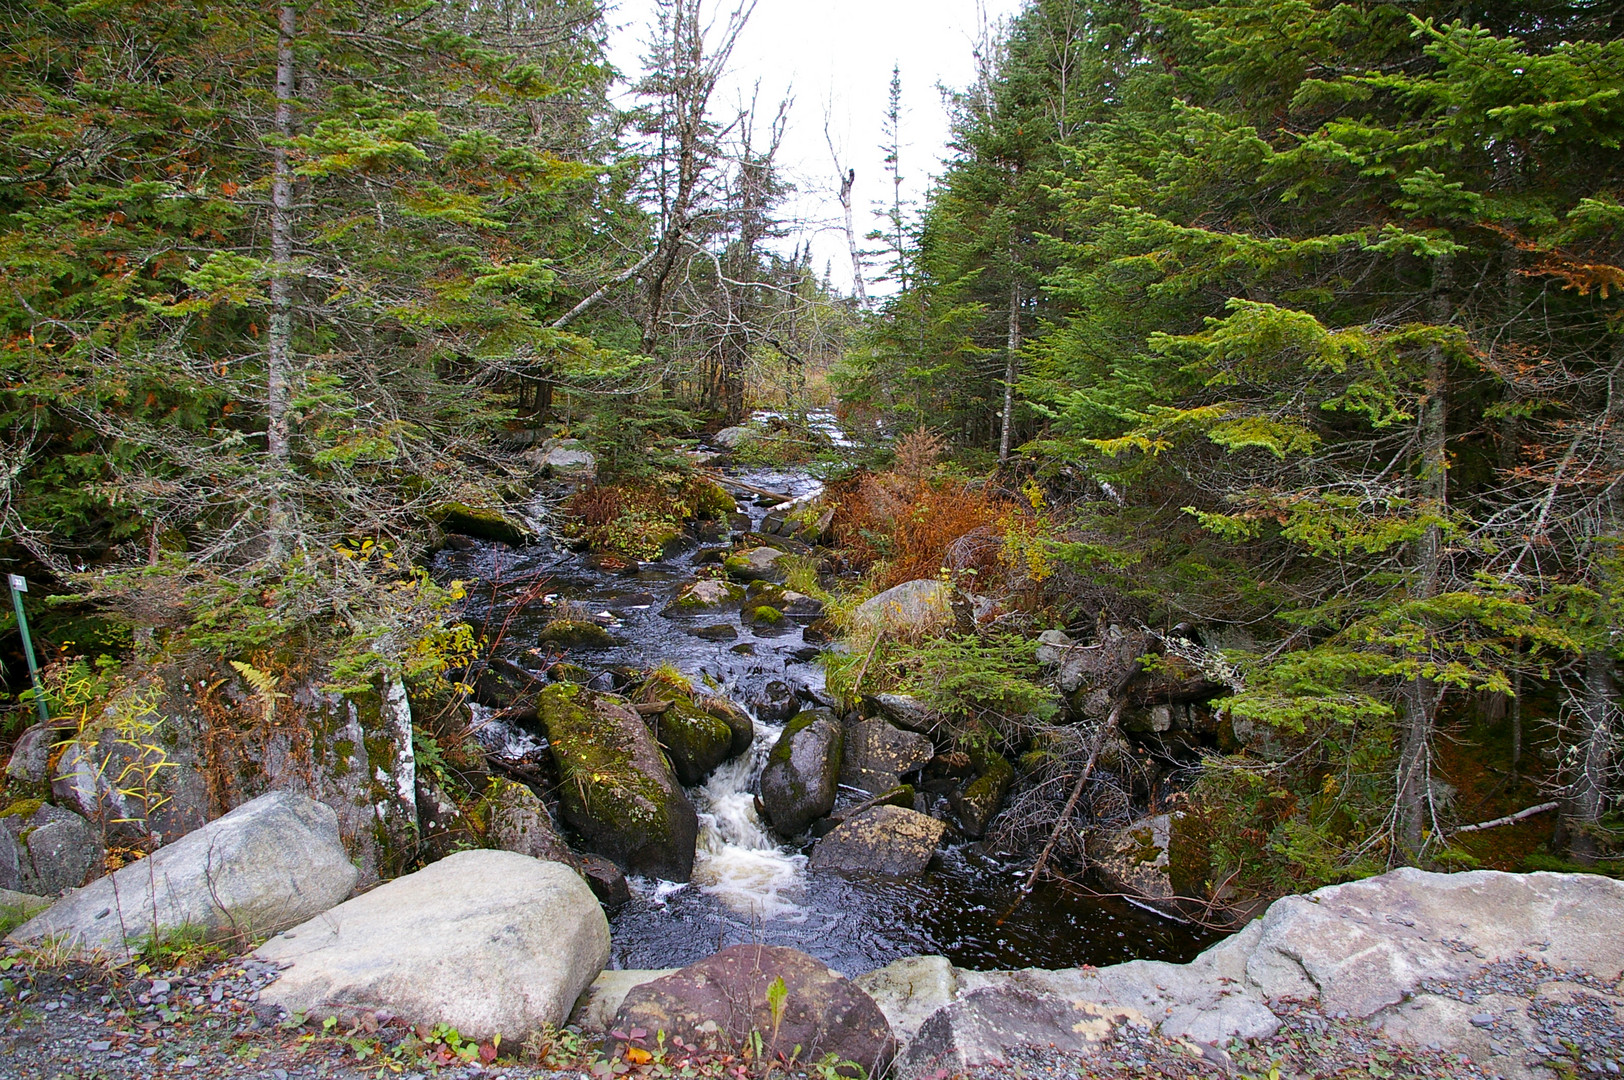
column 835, row 57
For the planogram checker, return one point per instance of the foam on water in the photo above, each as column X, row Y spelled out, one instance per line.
column 739, row 861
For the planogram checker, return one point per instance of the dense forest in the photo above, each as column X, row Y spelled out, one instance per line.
column 1272, row 349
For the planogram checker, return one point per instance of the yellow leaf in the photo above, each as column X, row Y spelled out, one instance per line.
column 637, row 1056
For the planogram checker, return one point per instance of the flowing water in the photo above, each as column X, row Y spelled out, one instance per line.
column 748, row 887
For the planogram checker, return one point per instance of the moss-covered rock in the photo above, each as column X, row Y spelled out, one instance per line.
column 695, row 740
column 705, row 596
column 570, row 673
column 756, row 564
column 765, row 616
column 984, row 796
column 737, row 720
column 802, row 776
column 618, row 791
column 484, row 523
column 576, row 634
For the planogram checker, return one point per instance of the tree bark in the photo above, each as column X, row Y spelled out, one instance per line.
column 858, row 285
column 1597, row 715
column 279, row 332
column 1422, row 695
column 1011, row 371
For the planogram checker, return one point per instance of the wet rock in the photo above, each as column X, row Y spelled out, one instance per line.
column 878, row 756
column 914, row 609
column 705, row 595
column 802, row 775
column 982, row 798
column 445, row 828
column 46, row 850
column 737, row 720
column 756, row 564
column 886, row 840
column 618, row 793
column 776, row 703
column 486, row 524
column 607, row 881
column 720, row 632
column 491, row 943
column 695, row 740
column 763, row 616
column 30, row 762
column 987, row 1027
column 573, row 673
column 907, row 712
column 718, row 1003
column 518, row 821
column 1134, row 860
column 787, row 601
column 576, row 634
column 268, row 864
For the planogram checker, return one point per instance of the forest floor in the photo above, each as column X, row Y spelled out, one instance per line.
column 203, row 1022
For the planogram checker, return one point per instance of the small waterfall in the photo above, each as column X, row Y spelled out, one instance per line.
column 739, row 861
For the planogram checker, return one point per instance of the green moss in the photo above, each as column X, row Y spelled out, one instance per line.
column 697, row 741
column 781, row 749
column 22, row 808
column 764, row 592
column 601, row 777
column 483, row 523
column 766, row 616
column 572, row 633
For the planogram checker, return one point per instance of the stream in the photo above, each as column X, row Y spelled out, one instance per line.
column 748, row 887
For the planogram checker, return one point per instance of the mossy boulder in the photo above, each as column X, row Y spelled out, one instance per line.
column 705, row 596
column 484, row 523
column 618, row 790
column 756, row 564
column 739, row 724
column 696, row 741
column 570, row 673
column 984, row 796
column 764, row 616
column 576, row 634
column 785, row 600
column 709, row 500
column 802, row 776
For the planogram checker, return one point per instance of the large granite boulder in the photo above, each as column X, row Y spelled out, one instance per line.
column 907, row 711
column 884, row 840
column 909, row 991
column 481, row 522
column 718, row 1003
column 1133, row 860
column 979, row 800
column 914, row 609
column 491, row 943
column 45, row 850
column 776, row 703
column 802, row 775
column 1504, row 969
column 618, row 792
column 268, row 864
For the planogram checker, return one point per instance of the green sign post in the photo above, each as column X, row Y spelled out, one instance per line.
column 19, row 585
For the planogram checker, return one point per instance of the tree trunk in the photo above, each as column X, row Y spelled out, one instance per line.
column 279, row 333
column 1597, row 714
column 1421, row 695
column 858, row 284
column 1011, row 371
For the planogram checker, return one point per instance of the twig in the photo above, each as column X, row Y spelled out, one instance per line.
column 1509, row 819
column 1071, row 805
column 857, row 685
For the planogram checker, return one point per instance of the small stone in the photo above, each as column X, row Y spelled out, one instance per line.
column 1483, row 1020
column 99, row 1046
column 159, row 986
